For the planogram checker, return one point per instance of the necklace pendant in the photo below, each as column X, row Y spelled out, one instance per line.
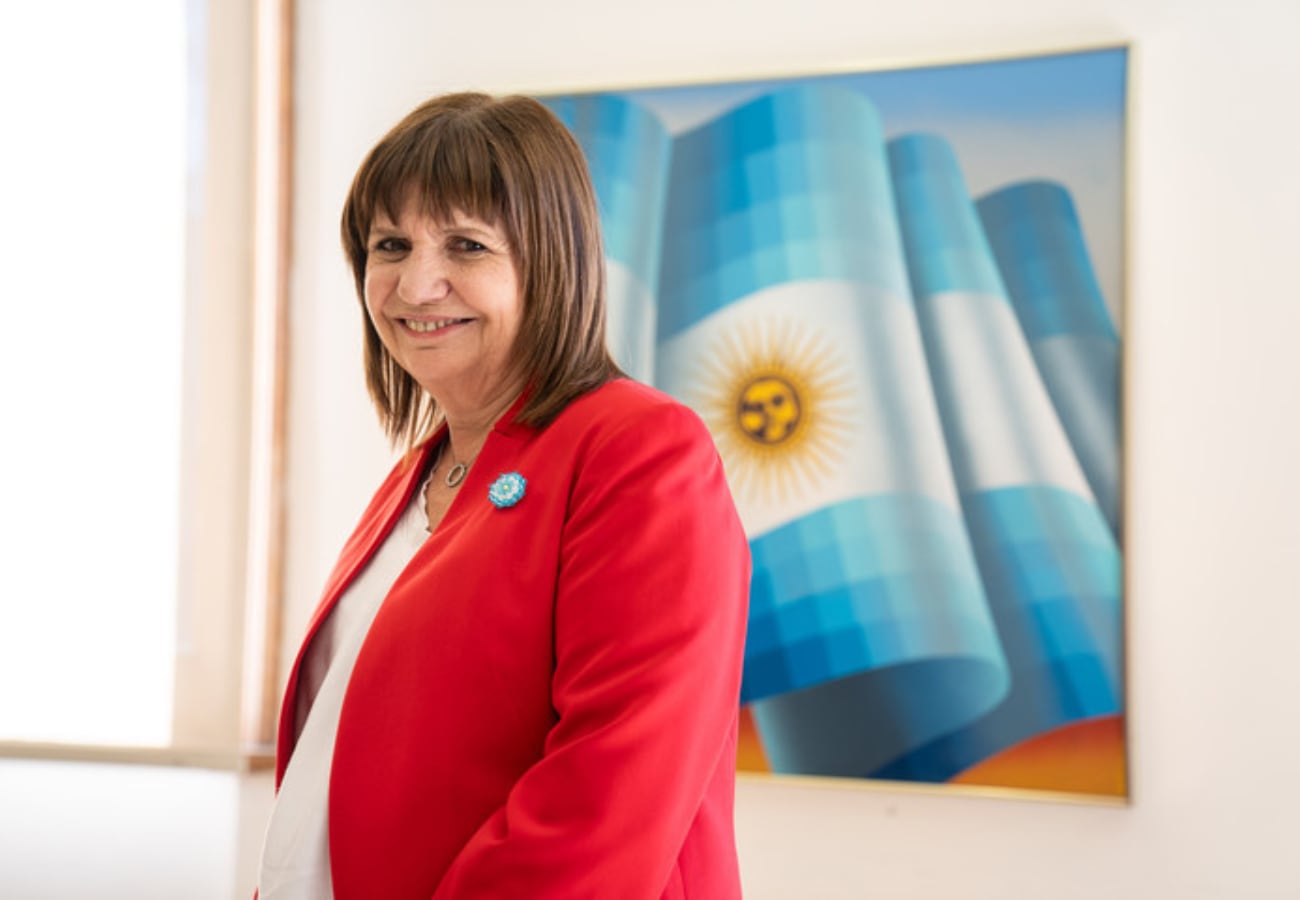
column 455, row 475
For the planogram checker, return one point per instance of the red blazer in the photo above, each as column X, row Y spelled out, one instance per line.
column 546, row 703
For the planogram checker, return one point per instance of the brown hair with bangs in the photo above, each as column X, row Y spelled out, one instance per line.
column 510, row 162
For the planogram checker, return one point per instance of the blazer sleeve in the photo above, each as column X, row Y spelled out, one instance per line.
column 649, row 638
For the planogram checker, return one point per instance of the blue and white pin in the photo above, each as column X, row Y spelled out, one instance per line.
column 507, row 490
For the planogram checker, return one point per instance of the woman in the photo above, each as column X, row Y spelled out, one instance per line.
column 522, row 681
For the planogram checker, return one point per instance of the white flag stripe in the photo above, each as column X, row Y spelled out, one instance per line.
column 868, row 384
column 630, row 321
column 1018, row 439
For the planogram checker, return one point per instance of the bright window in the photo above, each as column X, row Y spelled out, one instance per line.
column 93, row 172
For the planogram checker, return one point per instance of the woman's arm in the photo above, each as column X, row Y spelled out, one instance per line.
column 649, row 637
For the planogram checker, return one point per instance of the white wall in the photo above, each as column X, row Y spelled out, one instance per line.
column 1212, row 385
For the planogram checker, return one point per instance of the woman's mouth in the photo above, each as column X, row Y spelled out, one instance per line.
column 427, row 326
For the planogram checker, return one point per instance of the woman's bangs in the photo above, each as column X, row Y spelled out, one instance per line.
column 448, row 173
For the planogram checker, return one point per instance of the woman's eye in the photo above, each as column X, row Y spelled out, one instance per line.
column 388, row 245
column 467, row 245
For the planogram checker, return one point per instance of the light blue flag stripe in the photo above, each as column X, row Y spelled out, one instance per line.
column 1050, row 565
column 785, row 188
column 1050, row 553
column 869, row 550
column 1040, row 250
column 628, row 151
column 1038, row 243
column 939, row 220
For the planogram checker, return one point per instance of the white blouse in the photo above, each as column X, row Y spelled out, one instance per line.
column 295, row 854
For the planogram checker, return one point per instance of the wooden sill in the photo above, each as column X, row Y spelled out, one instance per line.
column 248, row 759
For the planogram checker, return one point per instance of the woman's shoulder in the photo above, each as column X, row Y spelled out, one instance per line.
column 624, row 403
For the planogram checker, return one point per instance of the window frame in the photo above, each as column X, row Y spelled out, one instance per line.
column 231, row 539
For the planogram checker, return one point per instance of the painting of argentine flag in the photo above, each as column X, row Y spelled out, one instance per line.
column 894, row 299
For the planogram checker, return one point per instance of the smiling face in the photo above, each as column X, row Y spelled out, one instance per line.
column 445, row 299
column 510, row 164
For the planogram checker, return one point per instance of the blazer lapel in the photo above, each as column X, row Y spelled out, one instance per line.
column 379, row 519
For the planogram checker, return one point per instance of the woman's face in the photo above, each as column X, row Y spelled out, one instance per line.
column 445, row 299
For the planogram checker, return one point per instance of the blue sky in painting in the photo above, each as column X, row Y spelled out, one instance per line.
column 1072, row 84
column 1089, row 83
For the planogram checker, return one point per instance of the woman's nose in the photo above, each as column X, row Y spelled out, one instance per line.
column 423, row 278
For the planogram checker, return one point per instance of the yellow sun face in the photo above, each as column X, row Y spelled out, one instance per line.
column 780, row 408
column 769, row 409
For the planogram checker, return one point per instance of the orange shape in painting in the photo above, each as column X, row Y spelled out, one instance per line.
column 1082, row 758
column 1085, row 757
column 749, row 748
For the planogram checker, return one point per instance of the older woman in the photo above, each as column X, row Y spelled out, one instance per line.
column 522, row 679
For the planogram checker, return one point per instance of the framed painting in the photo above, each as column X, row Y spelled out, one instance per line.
column 895, row 298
